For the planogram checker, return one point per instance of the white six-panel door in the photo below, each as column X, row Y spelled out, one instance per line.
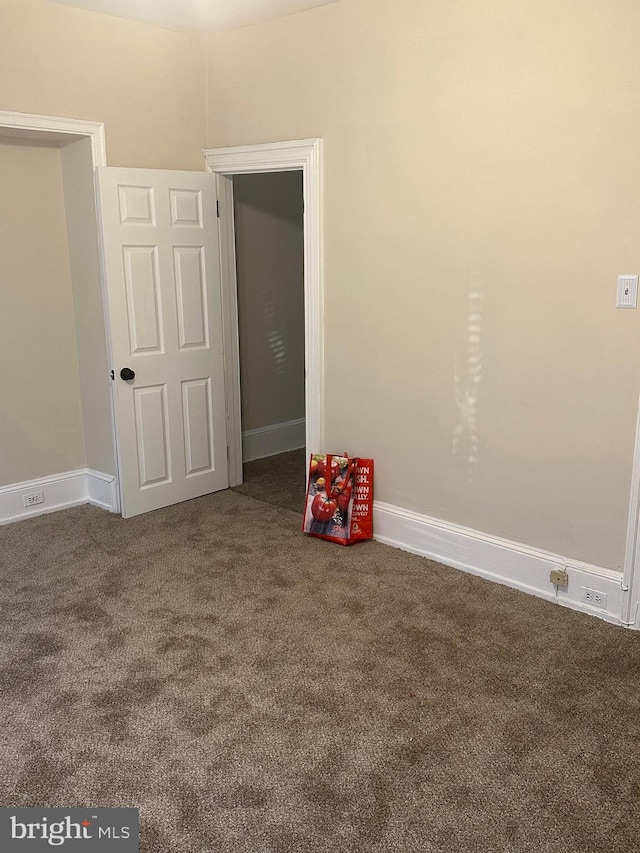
column 161, row 260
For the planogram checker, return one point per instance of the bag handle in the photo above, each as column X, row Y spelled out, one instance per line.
column 335, row 493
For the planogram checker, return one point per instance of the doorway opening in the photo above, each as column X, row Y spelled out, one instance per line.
column 298, row 156
column 269, row 247
column 59, row 411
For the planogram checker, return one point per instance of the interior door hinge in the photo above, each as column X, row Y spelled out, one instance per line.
column 217, row 208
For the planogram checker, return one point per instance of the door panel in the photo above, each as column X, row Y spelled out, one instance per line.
column 196, row 414
column 137, row 205
column 143, row 298
column 186, row 207
column 162, row 271
column 152, row 434
column 191, row 297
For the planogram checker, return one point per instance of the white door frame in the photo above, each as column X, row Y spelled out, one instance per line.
column 52, row 129
column 31, row 126
column 296, row 155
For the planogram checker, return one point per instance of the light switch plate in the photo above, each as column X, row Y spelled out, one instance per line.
column 627, row 291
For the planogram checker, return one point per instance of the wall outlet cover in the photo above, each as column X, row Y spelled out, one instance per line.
column 33, row 498
column 593, row 597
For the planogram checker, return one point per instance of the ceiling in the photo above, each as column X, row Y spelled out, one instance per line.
column 202, row 15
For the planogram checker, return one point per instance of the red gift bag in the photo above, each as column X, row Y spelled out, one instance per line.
column 339, row 505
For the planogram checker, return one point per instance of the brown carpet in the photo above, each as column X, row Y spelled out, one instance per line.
column 252, row 690
column 280, row 480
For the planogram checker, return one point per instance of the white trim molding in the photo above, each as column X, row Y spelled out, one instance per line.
column 304, row 155
column 230, row 330
column 102, row 491
column 272, row 439
column 59, row 491
column 500, row 560
column 631, row 580
column 58, row 129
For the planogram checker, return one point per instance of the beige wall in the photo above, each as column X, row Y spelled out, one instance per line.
column 40, row 418
column 145, row 83
column 481, row 195
column 270, row 270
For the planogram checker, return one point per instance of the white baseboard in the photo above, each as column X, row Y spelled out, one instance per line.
column 59, row 491
column 276, row 438
column 102, row 490
column 500, row 560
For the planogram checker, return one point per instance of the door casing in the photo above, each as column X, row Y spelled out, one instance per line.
column 303, row 155
column 55, row 129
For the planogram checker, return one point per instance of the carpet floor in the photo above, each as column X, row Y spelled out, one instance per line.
column 280, row 480
column 252, row 690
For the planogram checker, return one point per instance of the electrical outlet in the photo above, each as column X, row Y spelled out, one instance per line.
column 594, row 597
column 33, row 499
column 627, row 291
column 559, row 577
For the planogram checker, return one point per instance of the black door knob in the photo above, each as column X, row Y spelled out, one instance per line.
column 126, row 373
